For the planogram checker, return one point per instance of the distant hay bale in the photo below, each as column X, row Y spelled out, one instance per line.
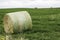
column 52, row 17
column 17, row 22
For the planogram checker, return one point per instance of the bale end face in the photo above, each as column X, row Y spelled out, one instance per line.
column 8, row 26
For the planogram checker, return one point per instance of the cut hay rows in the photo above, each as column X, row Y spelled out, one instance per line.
column 17, row 22
column 44, row 28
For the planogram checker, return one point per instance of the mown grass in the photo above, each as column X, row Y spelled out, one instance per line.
column 46, row 23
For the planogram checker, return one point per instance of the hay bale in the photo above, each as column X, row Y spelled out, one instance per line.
column 17, row 22
column 52, row 17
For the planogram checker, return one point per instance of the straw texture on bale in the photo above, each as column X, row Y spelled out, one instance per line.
column 17, row 22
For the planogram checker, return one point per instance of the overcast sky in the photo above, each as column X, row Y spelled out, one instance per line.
column 29, row 3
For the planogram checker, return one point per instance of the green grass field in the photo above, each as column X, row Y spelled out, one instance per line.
column 46, row 24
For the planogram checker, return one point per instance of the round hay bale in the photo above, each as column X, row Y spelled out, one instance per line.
column 17, row 22
column 52, row 17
